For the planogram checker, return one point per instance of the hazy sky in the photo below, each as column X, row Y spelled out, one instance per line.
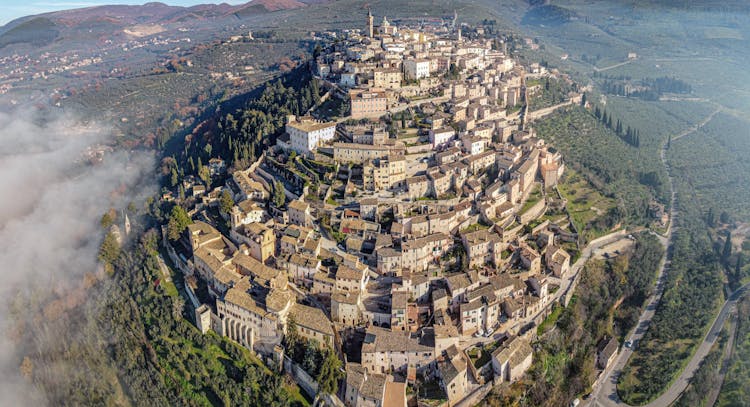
column 12, row 9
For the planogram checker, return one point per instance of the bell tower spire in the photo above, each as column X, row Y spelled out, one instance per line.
column 370, row 21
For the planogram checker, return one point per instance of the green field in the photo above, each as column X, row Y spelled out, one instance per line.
column 587, row 206
column 606, row 162
column 713, row 163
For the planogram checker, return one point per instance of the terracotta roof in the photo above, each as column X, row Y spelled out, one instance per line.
column 384, row 340
column 347, row 273
column 298, row 205
column 308, row 124
column 345, row 297
column 515, row 352
column 311, row 318
column 395, row 394
column 373, row 387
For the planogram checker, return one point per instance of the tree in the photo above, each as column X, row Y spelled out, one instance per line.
column 711, row 217
column 330, row 373
column 310, row 360
column 278, row 194
column 317, row 50
column 225, row 201
column 178, row 304
column 205, row 174
column 173, row 177
column 292, row 338
column 108, row 219
column 109, row 251
column 191, row 163
column 738, row 267
column 178, row 222
column 727, row 252
column 26, row 368
column 315, row 91
column 724, row 217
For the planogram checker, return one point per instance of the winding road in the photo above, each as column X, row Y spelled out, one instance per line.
column 606, row 394
column 605, row 391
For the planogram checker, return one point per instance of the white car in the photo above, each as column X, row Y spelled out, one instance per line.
column 480, row 332
column 489, row 333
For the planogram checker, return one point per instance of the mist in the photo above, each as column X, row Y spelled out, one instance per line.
column 53, row 192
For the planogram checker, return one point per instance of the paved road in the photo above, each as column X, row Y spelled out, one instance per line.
column 606, row 68
column 605, row 393
column 725, row 362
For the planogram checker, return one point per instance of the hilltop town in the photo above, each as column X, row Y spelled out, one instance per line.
column 420, row 235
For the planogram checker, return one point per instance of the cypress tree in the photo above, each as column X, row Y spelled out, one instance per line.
column 727, row 248
column 738, row 267
column 711, row 217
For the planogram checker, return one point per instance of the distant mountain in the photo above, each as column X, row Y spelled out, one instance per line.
column 38, row 31
column 156, row 13
column 43, row 29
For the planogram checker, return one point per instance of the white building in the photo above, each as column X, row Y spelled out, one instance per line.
column 416, row 68
column 440, row 137
column 473, row 145
column 306, row 133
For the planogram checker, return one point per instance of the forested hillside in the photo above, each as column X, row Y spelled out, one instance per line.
column 240, row 135
column 134, row 346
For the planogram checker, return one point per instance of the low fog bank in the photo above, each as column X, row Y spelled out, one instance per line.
column 53, row 191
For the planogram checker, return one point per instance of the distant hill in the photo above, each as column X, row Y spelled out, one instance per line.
column 37, row 32
column 547, row 15
column 125, row 15
column 705, row 5
column 265, row 6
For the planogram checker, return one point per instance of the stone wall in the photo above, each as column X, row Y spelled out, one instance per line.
column 307, row 383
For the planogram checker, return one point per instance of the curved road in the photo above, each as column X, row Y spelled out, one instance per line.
column 605, row 392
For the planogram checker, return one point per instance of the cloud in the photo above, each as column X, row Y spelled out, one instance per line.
column 50, row 204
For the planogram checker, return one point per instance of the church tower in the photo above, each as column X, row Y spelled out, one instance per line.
column 370, row 21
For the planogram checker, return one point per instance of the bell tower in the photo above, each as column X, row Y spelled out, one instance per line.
column 370, row 21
